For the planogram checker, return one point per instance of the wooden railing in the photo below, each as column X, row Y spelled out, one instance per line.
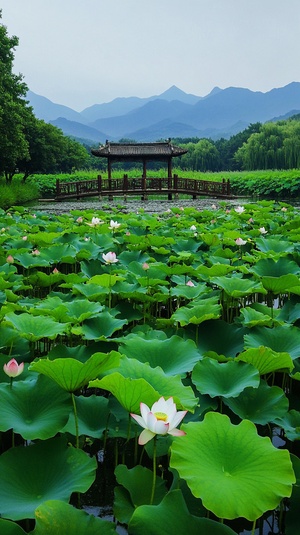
column 141, row 186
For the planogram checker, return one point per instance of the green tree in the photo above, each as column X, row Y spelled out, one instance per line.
column 13, row 107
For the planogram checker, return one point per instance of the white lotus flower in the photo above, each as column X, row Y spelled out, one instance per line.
column 193, row 227
column 110, row 258
column 114, row 225
column 95, row 222
column 262, row 230
column 239, row 209
column 161, row 419
column 240, row 241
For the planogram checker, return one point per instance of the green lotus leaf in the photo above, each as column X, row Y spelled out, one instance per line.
column 278, row 285
column 236, row 287
column 105, row 280
column 217, row 270
column 276, row 245
column 60, row 253
column 253, row 318
column 238, row 473
column 221, row 337
column 138, row 482
column 174, row 355
column 290, row 423
column 282, row 339
column 93, row 292
column 265, row 360
column 54, row 516
column 172, row 516
column 35, row 327
column 47, row 470
column 268, row 267
column 224, row 379
column 28, row 260
column 261, row 405
column 103, row 326
column 92, row 413
column 129, row 392
column 290, row 312
column 167, row 386
column 188, row 292
column 209, row 309
column 292, row 517
column 10, row 528
column 70, row 374
column 31, row 415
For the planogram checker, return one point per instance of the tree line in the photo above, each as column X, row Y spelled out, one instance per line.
column 29, row 145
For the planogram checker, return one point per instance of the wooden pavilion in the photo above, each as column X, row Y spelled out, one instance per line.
column 138, row 152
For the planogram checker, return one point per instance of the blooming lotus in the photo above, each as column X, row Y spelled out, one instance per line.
column 161, row 419
column 13, row 369
column 110, row 258
column 193, row 227
column 239, row 209
column 240, row 241
column 95, row 222
column 190, row 283
column 36, row 252
column 114, row 225
column 262, row 230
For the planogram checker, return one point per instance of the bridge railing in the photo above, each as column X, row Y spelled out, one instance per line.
column 125, row 185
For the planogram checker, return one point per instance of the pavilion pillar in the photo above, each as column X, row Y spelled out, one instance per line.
column 110, row 197
column 144, row 183
column 170, row 178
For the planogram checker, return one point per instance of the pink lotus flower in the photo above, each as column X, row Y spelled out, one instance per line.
column 35, row 252
column 10, row 259
column 79, row 219
column 55, row 271
column 110, row 258
column 13, row 369
column 240, row 241
column 24, row 238
column 145, row 266
column 190, row 283
column 161, row 419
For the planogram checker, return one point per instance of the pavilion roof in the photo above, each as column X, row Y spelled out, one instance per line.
column 132, row 151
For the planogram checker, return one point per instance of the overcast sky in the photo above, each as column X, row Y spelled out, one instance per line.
column 84, row 52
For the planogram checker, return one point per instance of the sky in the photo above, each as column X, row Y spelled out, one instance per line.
column 84, row 52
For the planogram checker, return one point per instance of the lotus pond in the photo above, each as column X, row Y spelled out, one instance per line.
column 160, row 386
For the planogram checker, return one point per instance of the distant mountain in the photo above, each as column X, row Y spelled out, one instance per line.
column 79, row 130
column 174, row 113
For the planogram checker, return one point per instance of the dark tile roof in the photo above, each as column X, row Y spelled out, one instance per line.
column 138, row 150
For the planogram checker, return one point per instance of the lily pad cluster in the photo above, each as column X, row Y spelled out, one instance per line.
column 111, row 310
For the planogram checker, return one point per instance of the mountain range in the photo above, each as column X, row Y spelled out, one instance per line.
column 172, row 114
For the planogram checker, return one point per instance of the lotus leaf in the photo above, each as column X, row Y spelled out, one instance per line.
column 71, row 374
column 31, row 415
column 35, row 327
column 172, row 516
column 224, row 379
column 174, row 355
column 266, row 360
column 129, row 392
column 209, row 309
column 238, row 473
column 167, row 386
column 26, row 480
column 283, row 338
column 92, row 413
column 54, row 516
column 236, row 287
column 261, row 405
column 103, row 326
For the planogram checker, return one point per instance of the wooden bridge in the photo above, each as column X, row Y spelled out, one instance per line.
column 141, row 186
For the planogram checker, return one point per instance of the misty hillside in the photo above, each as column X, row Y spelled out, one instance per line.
column 174, row 113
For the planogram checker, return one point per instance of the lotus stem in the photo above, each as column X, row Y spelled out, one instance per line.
column 76, row 420
column 154, row 471
column 253, row 528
